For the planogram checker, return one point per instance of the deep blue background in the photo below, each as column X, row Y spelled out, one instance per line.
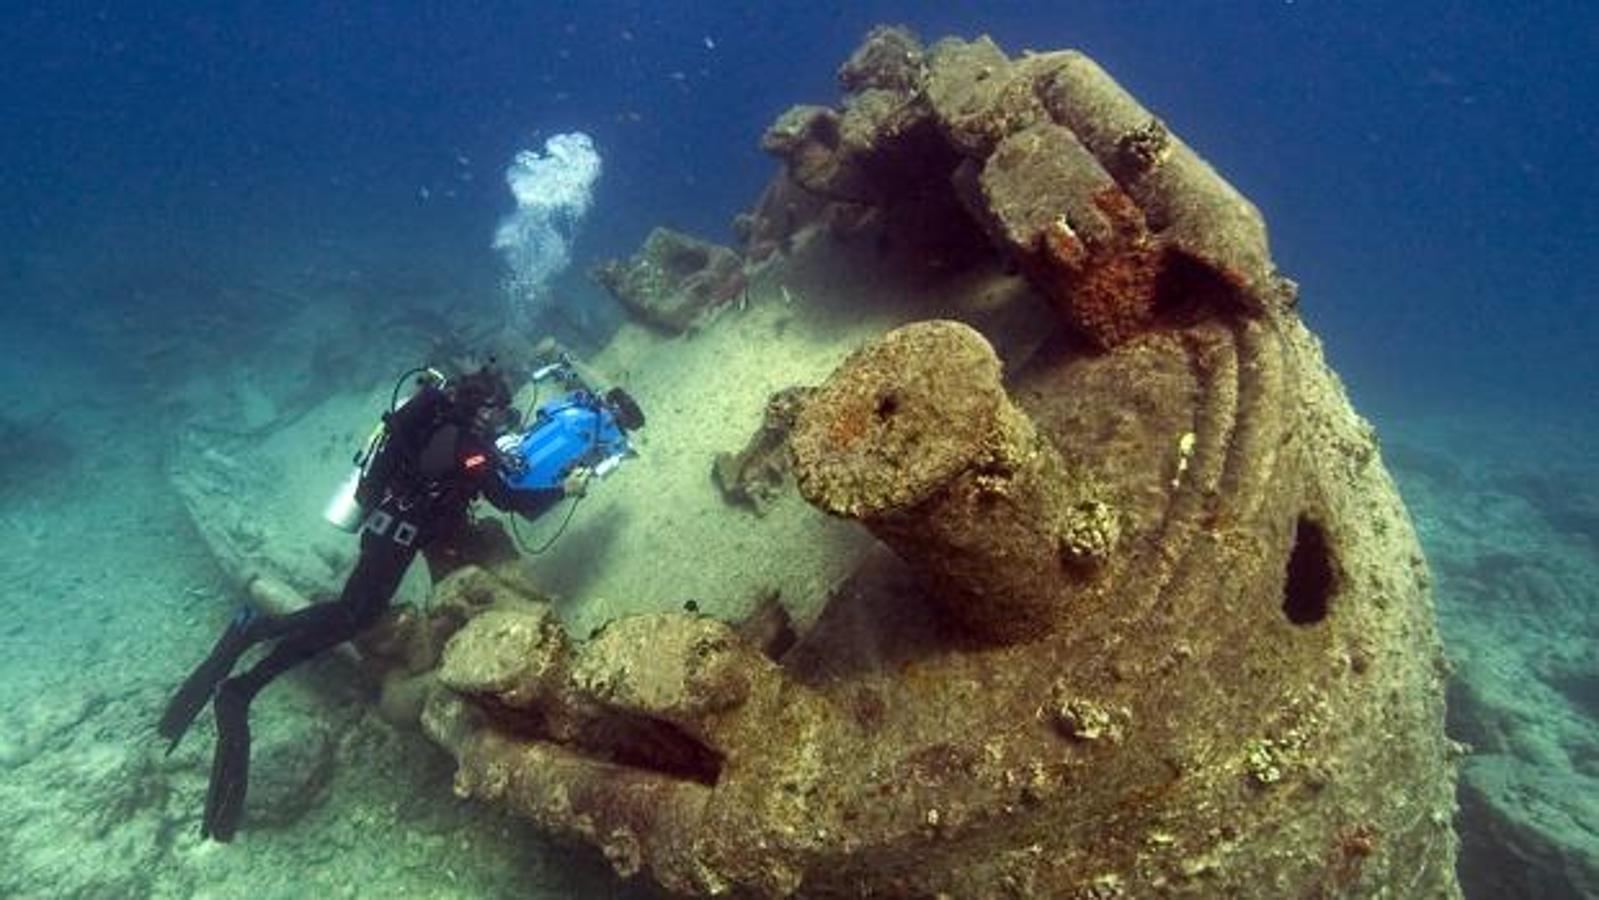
column 1428, row 169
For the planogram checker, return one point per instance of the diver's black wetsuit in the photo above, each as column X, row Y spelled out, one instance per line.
column 419, row 485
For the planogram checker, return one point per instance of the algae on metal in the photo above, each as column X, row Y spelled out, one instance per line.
column 1155, row 622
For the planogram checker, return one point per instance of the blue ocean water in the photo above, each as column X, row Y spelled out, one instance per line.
column 1426, row 168
column 1427, row 171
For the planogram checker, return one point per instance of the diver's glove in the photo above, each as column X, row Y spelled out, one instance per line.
column 576, row 483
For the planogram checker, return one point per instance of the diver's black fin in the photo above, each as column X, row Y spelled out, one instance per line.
column 230, row 767
column 197, row 689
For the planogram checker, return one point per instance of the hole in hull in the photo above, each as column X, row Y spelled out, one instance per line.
column 1312, row 578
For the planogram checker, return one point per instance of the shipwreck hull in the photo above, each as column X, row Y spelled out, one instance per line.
column 1154, row 622
column 1244, row 700
column 1145, row 616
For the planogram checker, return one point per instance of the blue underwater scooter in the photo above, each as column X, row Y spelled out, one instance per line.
column 580, row 428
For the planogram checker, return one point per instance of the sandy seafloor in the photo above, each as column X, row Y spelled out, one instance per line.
column 1507, row 509
column 110, row 595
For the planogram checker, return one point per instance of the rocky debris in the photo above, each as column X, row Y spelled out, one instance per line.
column 879, row 162
column 976, row 96
column 1042, row 189
column 782, row 211
column 757, row 475
column 403, row 651
column 518, row 655
column 890, row 59
column 822, row 157
column 675, row 281
column 1109, row 214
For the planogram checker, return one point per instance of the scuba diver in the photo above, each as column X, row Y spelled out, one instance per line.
column 428, row 460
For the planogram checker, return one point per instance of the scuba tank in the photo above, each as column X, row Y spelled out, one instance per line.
column 344, row 509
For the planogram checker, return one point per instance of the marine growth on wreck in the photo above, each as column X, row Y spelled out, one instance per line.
column 1061, row 565
column 1141, row 613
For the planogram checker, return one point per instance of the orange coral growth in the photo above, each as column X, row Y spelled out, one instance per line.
column 845, row 430
column 1354, row 845
column 1114, row 297
column 1123, row 214
column 1109, row 291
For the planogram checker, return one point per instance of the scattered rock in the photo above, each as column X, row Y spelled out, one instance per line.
column 782, row 212
column 757, row 475
column 675, row 281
